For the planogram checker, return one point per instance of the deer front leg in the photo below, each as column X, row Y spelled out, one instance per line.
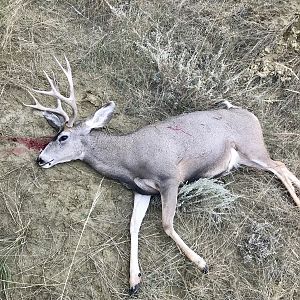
column 141, row 203
column 169, row 200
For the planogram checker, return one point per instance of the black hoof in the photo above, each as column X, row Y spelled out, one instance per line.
column 133, row 290
column 205, row 269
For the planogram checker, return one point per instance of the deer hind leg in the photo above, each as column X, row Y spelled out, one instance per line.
column 286, row 177
column 169, row 200
column 279, row 169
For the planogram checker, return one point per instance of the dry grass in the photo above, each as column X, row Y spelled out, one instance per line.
column 154, row 59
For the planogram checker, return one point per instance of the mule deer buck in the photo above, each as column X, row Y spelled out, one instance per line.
column 158, row 158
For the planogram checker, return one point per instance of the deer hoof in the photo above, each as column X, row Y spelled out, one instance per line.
column 205, row 269
column 134, row 290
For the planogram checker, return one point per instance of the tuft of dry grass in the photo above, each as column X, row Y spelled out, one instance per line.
column 154, row 59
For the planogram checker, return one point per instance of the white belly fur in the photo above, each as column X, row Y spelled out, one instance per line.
column 234, row 160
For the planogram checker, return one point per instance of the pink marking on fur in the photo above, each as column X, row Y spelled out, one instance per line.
column 178, row 128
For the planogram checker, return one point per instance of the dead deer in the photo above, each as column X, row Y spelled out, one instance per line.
column 158, row 158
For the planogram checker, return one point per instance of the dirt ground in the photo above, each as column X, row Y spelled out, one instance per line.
column 154, row 59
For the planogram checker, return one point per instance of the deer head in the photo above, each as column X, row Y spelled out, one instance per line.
column 68, row 143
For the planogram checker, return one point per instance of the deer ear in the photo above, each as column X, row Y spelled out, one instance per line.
column 101, row 117
column 54, row 120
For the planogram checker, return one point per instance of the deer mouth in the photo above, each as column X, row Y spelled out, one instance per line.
column 45, row 164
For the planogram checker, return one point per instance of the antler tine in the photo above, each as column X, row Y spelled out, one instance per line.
column 58, row 110
column 71, row 99
column 53, row 92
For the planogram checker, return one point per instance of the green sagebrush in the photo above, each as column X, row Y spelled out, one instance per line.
column 208, row 195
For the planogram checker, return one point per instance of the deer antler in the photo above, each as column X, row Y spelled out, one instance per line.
column 59, row 97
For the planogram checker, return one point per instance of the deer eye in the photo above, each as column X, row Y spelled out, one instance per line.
column 63, row 138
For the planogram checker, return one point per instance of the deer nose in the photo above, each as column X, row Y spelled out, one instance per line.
column 40, row 161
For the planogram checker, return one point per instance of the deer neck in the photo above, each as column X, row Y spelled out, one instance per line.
column 107, row 154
